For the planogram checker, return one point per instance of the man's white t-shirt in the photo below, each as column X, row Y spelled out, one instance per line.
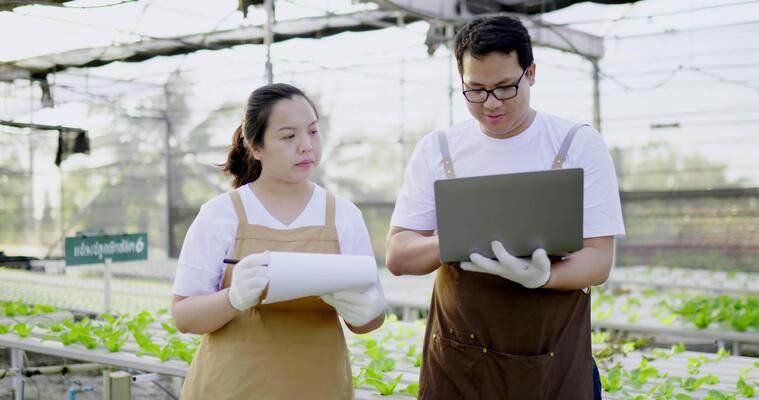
column 473, row 153
column 211, row 236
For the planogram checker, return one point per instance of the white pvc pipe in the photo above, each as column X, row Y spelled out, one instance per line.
column 17, row 363
column 145, row 377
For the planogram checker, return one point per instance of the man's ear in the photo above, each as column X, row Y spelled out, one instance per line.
column 531, row 73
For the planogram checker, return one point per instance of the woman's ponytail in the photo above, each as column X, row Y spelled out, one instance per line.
column 240, row 162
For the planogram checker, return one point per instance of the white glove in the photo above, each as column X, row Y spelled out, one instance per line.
column 357, row 308
column 249, row 279
column 530, row 273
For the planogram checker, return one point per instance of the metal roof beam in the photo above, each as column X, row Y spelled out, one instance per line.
column 312, row 27
column 542, row 34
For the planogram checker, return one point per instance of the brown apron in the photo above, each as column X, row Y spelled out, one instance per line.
column 289, row 350
column 490, row 338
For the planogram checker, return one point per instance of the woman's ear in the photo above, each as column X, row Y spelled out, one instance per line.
column 255, row 151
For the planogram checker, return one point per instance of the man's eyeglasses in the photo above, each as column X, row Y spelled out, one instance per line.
column 501, row 92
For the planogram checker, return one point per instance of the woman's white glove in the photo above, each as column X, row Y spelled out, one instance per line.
column 357, row 308
column 530, row 273
column 249, row 279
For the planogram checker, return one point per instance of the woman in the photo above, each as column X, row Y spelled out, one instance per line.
column 295, row 349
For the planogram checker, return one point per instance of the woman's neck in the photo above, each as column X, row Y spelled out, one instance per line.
column 280, row 189
column 284, row 201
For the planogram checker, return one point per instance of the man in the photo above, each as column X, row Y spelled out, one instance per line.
column 508, row 328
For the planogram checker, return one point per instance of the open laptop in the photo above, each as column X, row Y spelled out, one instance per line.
column 524, row 211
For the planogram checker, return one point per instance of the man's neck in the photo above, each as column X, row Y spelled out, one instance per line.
column 522, row 126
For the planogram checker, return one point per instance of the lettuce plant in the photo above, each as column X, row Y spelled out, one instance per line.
column 412, row 389
column 22, row 329
column 385, row 388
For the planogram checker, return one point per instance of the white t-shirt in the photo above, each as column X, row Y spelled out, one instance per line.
column 475, row 154
column 211, row 236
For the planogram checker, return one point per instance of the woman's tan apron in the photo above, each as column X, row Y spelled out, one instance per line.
column 492, row 339
column 289, row 350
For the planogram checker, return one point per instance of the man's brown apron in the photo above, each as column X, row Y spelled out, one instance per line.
column 492, row 339
column 289, row 350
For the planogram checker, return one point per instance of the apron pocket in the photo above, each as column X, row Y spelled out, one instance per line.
column 448, row 371
column 456, row 363
column 515, row 376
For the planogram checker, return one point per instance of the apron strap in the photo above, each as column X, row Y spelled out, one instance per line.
column 445, row 151
column 561, row 156
column 330, row 219
column 239, row 208
column 558, row 161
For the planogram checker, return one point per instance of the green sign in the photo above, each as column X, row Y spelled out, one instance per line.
column 96, row 249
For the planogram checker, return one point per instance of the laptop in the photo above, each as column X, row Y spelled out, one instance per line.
column 524, row 211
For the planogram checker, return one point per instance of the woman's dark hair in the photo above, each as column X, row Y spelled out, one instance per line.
column 240, row 162
column 485, row 35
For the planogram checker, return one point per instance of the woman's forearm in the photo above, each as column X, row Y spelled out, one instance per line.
column 202, row 314
column 372, row 325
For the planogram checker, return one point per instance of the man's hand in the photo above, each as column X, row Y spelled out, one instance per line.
column 531, row 274
column 357, row 308
column 249, row 279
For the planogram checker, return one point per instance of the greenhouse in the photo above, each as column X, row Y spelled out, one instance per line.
column 127, row 127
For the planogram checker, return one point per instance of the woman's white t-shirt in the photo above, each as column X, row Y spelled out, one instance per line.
column 211, row 236
column 476, row 154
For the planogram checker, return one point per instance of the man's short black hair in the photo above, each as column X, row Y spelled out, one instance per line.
column 485, row 35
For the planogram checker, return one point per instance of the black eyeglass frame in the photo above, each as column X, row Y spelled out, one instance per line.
column 488, row 92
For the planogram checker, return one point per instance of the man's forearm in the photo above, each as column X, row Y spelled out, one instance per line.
column 587, row 267
column 411, row 253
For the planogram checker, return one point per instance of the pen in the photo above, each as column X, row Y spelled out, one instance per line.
column 234, row 261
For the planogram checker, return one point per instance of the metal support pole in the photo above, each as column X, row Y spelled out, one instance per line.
column 61, row 214
column 402, row 103
column 401, row 121
column 596, row 95
column 167, row 150
column 269, row 39
column 30, row 223
column 449, row 39
column 17, row 363
column 107, row 289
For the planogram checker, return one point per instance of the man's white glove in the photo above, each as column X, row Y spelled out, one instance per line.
column 249, row 279
column 357, row 308
column 530, row 273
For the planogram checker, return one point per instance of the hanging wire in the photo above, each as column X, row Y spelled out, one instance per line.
column 666, row 14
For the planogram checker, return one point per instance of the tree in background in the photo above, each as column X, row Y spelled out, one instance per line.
column 13, row 212
column 657, row 166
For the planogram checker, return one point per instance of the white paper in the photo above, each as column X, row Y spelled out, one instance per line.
column 296, row 275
